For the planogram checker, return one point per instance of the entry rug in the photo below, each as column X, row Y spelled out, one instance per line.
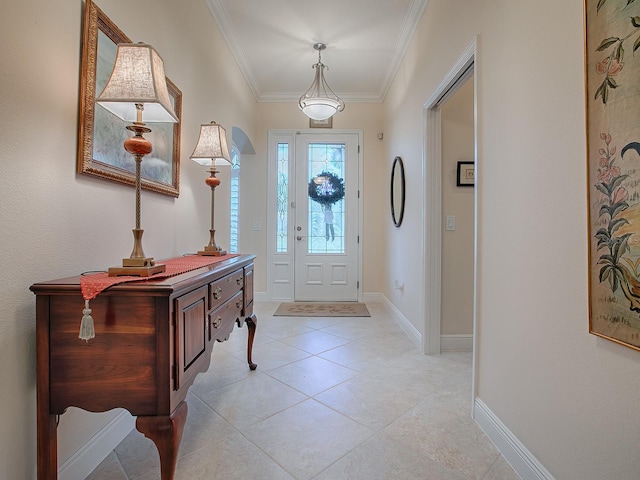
column 322, row 309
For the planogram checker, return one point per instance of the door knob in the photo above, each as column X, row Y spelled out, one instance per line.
column 298, row 228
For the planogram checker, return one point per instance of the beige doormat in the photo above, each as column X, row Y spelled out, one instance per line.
column 323, row 309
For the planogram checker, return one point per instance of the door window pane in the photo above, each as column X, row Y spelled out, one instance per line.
column 326, row 229
column 234, row 213
column 282, row 206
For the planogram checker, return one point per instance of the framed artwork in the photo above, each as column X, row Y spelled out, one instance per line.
column 326, row 123
column 101, row 135
column 466, row 174
column 612, row 63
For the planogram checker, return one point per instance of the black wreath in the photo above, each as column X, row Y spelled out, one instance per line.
column 326, row 189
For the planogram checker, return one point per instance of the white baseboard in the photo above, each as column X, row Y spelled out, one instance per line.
column 261, row 297
column 91, row 454
column 456, row 343
column 373, row 298
column 521, row 459
column 400, row 319
column 264, row 297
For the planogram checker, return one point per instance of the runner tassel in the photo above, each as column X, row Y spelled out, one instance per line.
column 87, row 331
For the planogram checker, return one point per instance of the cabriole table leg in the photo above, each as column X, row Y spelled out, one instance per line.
column 251, row 326
column 166, row 433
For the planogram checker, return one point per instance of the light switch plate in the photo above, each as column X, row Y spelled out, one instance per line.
column 450, row 222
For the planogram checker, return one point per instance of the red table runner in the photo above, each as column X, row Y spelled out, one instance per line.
column 92, row 285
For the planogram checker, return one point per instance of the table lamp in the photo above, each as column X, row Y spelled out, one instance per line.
column 138, row 84
column 211, row 150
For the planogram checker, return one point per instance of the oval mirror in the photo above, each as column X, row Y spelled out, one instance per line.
column 397, row 191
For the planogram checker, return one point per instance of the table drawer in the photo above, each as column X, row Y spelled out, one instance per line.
column 222, row 319
column 224, row 288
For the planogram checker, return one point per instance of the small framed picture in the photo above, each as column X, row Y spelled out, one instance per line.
column 326, row 123
column 466, row 176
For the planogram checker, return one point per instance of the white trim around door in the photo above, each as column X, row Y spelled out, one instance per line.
column 281, row 206
column 432, row 204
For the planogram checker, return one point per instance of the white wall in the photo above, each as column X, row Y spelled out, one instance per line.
column 570, row 397
column 457, row 245
column 56, row 223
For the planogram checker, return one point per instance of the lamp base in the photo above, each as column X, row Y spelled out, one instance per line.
column 136, row 270
column 212, row 250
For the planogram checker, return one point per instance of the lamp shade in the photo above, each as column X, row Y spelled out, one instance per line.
column 138, row 78
column 320, row 108
column 211, row 148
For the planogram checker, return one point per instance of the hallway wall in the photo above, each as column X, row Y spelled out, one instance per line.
column 568, row 396
column 56, row 223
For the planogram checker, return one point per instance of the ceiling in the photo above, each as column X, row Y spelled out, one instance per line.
column 272, row 41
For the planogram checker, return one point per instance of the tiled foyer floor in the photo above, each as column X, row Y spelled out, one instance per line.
column 332, row 399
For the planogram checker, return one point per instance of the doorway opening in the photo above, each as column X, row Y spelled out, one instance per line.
column 436, row 225
column 459, row 74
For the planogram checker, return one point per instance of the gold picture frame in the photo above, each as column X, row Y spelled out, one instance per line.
column 101, row 134
column 612, row 63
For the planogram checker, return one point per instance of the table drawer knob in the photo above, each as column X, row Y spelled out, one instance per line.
column 217, row 322
column 217, row 293
column 240, row 281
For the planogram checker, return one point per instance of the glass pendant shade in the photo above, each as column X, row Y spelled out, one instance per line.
column 138, row 79
column 319, row 102
column 212, row 148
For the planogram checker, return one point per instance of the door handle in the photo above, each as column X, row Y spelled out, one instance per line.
column 300, row 237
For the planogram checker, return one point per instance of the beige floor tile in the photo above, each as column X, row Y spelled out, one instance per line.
column 278, row 328
column 381, row 458
column 369, row 353
column 273, row 355
column 138, row 455
column 315, row 342
column 203, row 426
column 253, row 399
column 109, row 469
column 350, row 328
column 501, row 470
column 235, row 458
column 425, row 374
column 224, row 370
column 369, row 401
column 447, row 434
column 307, row 438
column 312, row 375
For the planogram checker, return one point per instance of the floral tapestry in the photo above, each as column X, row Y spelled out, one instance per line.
column 613, row 146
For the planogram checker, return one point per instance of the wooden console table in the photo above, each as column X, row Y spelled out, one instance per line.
column 152, row 339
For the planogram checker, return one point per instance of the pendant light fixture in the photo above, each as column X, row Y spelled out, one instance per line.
column 319, row 102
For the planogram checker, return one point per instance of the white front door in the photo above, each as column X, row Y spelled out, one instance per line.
column 326, row 219
column 313, row 245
